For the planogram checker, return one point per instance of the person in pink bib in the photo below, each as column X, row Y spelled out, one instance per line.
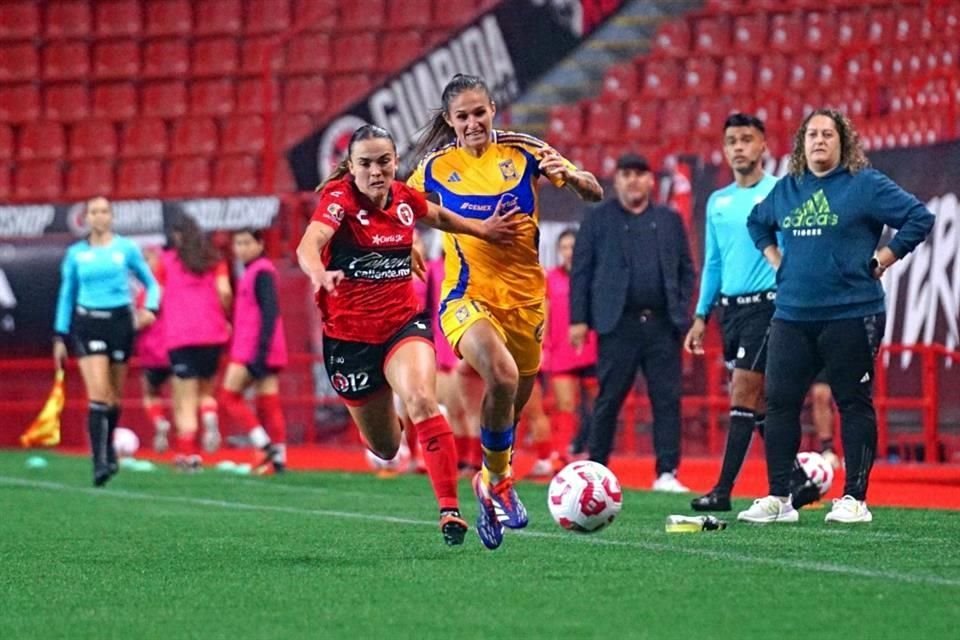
column 151, row 351
column 258, row 352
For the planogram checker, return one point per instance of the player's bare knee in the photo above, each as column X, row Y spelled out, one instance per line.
column 420, row 404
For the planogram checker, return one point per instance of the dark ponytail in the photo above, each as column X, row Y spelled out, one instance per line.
column 437, row 132
column 194, row 249
column 366, row 132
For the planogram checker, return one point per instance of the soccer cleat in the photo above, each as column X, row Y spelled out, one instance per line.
column 210, row 439
column 101, row 477
column 667, row 482
column 849, row 510
column 272, row 457
column 712, row 501
column 769, row 509
column 510, row 511
column 488, row 525
column 192, row 463
column 453, row 527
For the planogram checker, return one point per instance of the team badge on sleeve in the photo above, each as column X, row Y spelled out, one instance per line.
column 335, row 212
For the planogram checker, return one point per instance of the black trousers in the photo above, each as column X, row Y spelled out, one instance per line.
column 649, row 343
column 845, row 350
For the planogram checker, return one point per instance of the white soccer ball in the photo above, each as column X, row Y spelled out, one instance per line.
column 125, row 442
column 398, row 463
column 584, row 497
column 817, row 469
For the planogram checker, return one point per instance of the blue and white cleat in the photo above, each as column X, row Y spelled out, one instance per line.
column 488, row 525
column 506, row 502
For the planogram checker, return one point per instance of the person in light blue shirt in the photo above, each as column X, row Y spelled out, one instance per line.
column 736, row 278
column 95, row 308
column 828, row 216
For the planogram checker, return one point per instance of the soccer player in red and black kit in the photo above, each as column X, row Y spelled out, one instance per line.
column 357, row 253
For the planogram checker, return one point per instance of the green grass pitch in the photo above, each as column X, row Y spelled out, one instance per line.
column 327, row 555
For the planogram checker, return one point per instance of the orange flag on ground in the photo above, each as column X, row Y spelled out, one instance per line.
column 44, row 431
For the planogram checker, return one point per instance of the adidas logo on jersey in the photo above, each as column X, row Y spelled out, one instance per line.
column 454, row 177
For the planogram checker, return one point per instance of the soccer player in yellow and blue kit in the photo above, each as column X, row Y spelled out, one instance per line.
column 492, row 297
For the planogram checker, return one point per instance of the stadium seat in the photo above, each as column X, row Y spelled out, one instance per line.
column 604, row 121
column 851, row 27
column 803, row 73
column 66, row 102
column 771, row 73
column 407, row 14
column 820, row 33
column 586, row 157
column 7, row 146
column 321, row 15
column 89, row 178
column 672, row 38
column 250, row 96
column 363, row 52
column 711, row 35
column 19, row 103
column 194, row 137
column 236, row 175
column 344, row 90
column 69, row 19
column 66, row 60
column 369, row 16
column 403, row 46
column 305, row 94
column 453, row 13
column 18, row 62
column 38, row 181
column 215, row 57
column 677, row 119
column 786, row 32
column 115, row 100
column 116, row 59
column 6, row 186
column 709, row 117
column 188, row 177
column 268, row 16
column 139, row 178
column 565, row 124
column 620, row 82
column 243, row 134
column 829, row 70
column 144, row 138
column 252, row 52
column 217, row 17
column 642, row 120
column 880, row 27
column 212, row 97
column 309, row 53
column 19, row 20
column 700, row 76
column 945, row 20
column 41, row 141
column 169, row 18
column 117, row 18
column 93, row 139
column 292, row 128
column 736, row 75
column 750, row 32
column 856, row 68
column 660, row 78
column 164, row 99
column 166, row 58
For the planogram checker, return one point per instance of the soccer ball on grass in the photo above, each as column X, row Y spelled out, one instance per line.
column 584, row 497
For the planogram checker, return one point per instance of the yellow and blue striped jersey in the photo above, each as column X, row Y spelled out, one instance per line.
column 503, row 276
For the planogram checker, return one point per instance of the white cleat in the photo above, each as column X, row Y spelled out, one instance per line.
column 769, row 509
column 668, row 483
column 849, row 509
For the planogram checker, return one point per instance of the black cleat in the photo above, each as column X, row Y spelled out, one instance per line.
column 101, row 477
column 453, row 527
column 711, row 502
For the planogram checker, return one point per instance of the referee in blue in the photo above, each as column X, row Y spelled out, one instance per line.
column 95, row 308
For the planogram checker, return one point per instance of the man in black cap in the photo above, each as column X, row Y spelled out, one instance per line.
column 632, row 282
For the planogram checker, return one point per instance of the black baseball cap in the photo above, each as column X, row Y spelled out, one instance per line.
column 632, row 161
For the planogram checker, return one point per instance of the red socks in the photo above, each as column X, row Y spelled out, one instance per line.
column 236, row 409
column 440, row 455
column 271, row 416
column 564, row 428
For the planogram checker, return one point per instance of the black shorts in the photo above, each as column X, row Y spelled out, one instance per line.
column 156, row 376
column 195, row 362
column 589, row 371
column 103, row 332
column 746, row 328
column 356, row 368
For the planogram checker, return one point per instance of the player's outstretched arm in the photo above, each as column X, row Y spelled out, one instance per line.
column 309, row 257
column 500, row 228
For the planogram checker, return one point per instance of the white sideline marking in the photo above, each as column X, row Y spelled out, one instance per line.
column 821, row 567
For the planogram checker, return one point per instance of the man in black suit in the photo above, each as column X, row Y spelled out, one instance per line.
column 632, row 281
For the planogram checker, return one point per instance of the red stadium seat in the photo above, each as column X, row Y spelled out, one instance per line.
column 305, row 94
column 710, row 116
column 853, row 101
column 268, row 16
column 880, row 27
column 41, row 141
column 66, row 102
column 604, row 121
column 66, row 61
column 803, row 72
column 116, row 101
column 856, row 68
column 70, row 19
column 215, row 57
column 620, row 82
column 453, row 13
column 89, row 178
column 117, row 18
column 139, row 179
column 820, row 33
column 750, row 33
column 166, row 58
column 642, row 120
column 243, row 134
column 363, row 52
column 851, row 26
column 188, row 177
column 786, row 32
column 217, row 17
column 253, row 51
column 169, row 18
column 18, row 62
column 19, row 103
column 945, row 20
column 93, row 139
column 19, row 20
column 7, row 146
column 194, row 137
column 116, row 59
column 566, row 124
column 212, row 97
column 677, row 119
column 164, row 99
column 236, row 175
column 771, row 73
column 586, row 157
column 403, row 46
column 292, row 128
column 346, row 89
column 700, row 76
column 829, row 70
column 406, row 14
column 660, row 78
column 736, row 75
column 39, row 181
column 321, row 15
column 250, row 96
column 144, row 138
column 711, row 35
column 6, row 186
column 309, row 53
column 672, row 38
column 370, row 16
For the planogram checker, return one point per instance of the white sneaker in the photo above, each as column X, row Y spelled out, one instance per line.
column 668, row 483
column 849, row 509
column 769, row 509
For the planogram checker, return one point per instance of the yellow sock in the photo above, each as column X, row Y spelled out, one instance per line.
column 496, row 465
